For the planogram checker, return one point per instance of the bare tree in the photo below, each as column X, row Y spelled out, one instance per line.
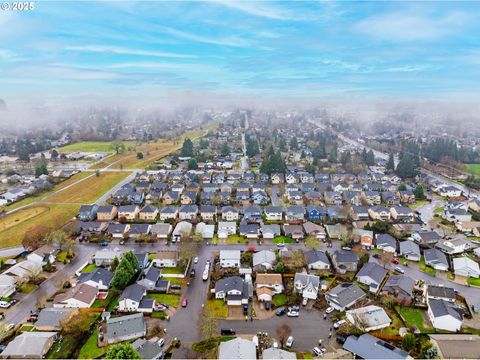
column 283, row 332
column 41, row 298
column 207, row 326
column 386, row 259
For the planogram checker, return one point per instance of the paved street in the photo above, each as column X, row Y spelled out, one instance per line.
column 427, row 211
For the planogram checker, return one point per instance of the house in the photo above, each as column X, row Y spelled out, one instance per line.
column 233, row 290
column 294, row 231
column 151, row 277
column 148, row 213
column 252, row 212
column 315, row 230
column 444, row 315
column 426, row 238
column 450, row 192
column 369, row 318
column 188, row 198
column 168, row 213
column 467, row 226
column 273, row 213
column 295, row 213
column 344, row 260
column 148, row 349
column 307, row 285
column 23, row 271
column 457, row 215
column 87, row 212
column 230, row 258
column 464, row 266
column 379, row 213
column 274, row 353
column 136, row 231
column 367, row 346
column 456, row 346
column 260, row 197
column 43, row 255
column 344, row 296
column 315, row 213
column 237, row 348
column 335, row 231
column 29, row 345
column 270, row 231
column 98, row 278
column 474, row 205
column 400, row 286
column 317, row 260
column 124, row 328
column 402, row 213
column 51, row 319
column 171, row 197
column 106, row 257
column 128, row 212
column 365, row 237
column 166, row 258
column 251, row 231
column 207, row 231
column 134, row 298
column 436, row 259
column 142, row 258
column 183, row 228
column 161, row 230
column 436, row 292
column 372, row 275
column 208, row 212
column 230, row 213
column 7, row 285
column 453, row 246
column 410, row 250
column 263, row 260
column 188, row 212
column 226, row 228
column 268, row 285
column 277, row 178
column 118, row 231
column 81, row 296
column 107, row 213
column 387, row 243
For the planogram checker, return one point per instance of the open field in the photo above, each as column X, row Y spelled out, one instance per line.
column 473, row 169
column 14, row 226
column 63, row 184
column 93, row 146
column 90, row 189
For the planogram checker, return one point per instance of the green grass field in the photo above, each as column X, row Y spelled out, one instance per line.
column 473, row 281
column 283, row 240
column 217, row 308
column 93, row 146
column 169, row 299
column 90, row 350
column 412, row 317
column 473, row 169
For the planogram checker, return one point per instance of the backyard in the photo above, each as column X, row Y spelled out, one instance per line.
column 413, row 316
column 217, row 308
column 90, row 350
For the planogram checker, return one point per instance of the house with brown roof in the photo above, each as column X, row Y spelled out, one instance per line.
column 80, row 296
column 268, row 285
column 166, row 258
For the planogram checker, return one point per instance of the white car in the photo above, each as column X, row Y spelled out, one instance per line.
column 305, row 301
column 195, row 259
column 5, row 304
column 338, row 324
column 329, row 310
column 316, row 350
column 289, row 342
column 293, row 313
column 399, row 269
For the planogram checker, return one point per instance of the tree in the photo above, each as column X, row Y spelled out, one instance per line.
column 76, row 325
column 34, row 237
column 118, row 147
column 225, row 150
column 431, row 353
column 406, row 168
column 294, row 143
column 391, row 162
column 279, row 267
column 54, row 155
column 62, row 239
column 386, row 258
column 187, row 148
column 192, row 164
column 41, row 169
column 283, row 332
column 125, row 271
column 370, row 158
column 207, row 325
column 97, row 173
column 139, row 155
column 402, row 187
column 312, row 242
column 252, row 147
column 409, row 342
column 419, row 193
column 122, row 351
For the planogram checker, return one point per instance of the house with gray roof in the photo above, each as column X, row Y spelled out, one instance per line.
column 400, row 286
column 367, row 346
column 269, row 231
column 29, row 345
column 134, row 298
column 410, row 250
column 436, row 292
column 317, row 260
column 436, row 259
column 387, row 243
column 150, row 278
column 307, row 285
column 274, row 353
column 237, row 348
column 124, row 328
column 344, row 260
column 106, row 257
column 445, row 315
column 369, row 318
column 50, row 319
column 344, row 296
column 98, row 278
column 372, row 275
column 148, row 349
column 263, row 260
column 161, row 230
column 230, row 258
column 233, row 290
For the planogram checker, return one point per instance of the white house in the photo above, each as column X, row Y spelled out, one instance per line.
column 369, row 318
column 307, row 285
column 264, row 259
column 226, row 228
column 233, row 290
column 317, row 260
column 81, row 296
column 230, row 258
column 450, row 191
column 444, row 315
column 268, row 285
column 465, row 266
column 7, row 285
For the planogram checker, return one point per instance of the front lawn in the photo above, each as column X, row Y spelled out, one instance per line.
column 376, row 251
column 152, row 256
column 283, row 240
column 169, row 299
column 62, row 256
column 427, row 269
column 89, row 267
column 217, row 308
column 412, row 316
column 236, row 239
column 473, row 281
column 27, row 288
column 90, row 350
column 438, row 209
column 279, row 300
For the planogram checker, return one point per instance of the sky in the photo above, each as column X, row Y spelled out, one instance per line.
column 65, row 50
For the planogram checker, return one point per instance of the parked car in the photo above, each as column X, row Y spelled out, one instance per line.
column 103, row 243
column 293, row 313
column 395, row 261
column 2, row 315
column 267, row 305
column 195, row 259
column 245, row 309
column 305, row 301
column 340, row 339
column 192, row 273
column 184, row 302
column 399, row 269
column 280, row 311
column 376, row 256
column 5, row 304
column 316, row 350
column 289, row 342
column 227, row 332
column 161, row 342
column 339, row 323
column 329, row 310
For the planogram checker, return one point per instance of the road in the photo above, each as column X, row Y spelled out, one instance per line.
column 427, row 211
column 275, row 196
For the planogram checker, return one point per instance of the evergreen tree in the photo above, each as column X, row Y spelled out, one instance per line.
column 391, row 162
column 225, row 149
column 187, row 148
column 192, row 164
column 406, row 168
column 370, row 159
column 294, row 143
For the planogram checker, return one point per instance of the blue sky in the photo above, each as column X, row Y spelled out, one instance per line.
column 399, row 50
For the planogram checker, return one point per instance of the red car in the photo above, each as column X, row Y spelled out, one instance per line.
column 395, row 261
column 184, row 302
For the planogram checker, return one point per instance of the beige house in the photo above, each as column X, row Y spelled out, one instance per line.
column 268, row 285
column 106, row 213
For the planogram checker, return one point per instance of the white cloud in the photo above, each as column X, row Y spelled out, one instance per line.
column 124, row 51
column 255, row 8
column 402, row 26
